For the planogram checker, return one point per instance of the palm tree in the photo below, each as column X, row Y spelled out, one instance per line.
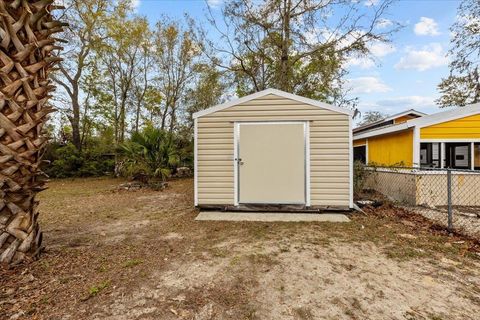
column 26, row 57
column 151, row 151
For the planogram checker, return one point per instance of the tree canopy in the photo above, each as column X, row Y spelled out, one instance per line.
column 462, row 86
column 121, row 74
column 298, row 46
column 371, row 117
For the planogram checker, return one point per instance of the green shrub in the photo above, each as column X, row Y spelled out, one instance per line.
column 66, row 161
column 360, row 175
column 153, row 152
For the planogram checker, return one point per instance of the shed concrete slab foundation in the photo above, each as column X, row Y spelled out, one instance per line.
column 270, row 217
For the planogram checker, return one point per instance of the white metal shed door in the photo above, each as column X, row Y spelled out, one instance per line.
column 271, row 162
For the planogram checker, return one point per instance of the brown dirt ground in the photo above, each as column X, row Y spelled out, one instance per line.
column 141, row 255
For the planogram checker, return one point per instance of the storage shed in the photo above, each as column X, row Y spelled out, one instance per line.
column 273, row 148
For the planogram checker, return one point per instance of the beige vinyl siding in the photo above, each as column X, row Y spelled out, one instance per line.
column 329, row 149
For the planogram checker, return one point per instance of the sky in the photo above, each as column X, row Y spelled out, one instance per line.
column 404, row 74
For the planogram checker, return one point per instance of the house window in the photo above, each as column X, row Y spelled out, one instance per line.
column 476, row 156
column 430, row 155
column 360, row 154
column 457, row 155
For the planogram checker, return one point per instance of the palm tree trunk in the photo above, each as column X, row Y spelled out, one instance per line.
column 26, row 40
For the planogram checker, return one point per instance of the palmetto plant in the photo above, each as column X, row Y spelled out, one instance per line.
column 151, row 151
column 26, row 44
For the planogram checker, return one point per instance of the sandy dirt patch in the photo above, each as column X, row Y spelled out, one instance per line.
column 141, row 255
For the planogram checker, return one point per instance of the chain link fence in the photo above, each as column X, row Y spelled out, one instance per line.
column 448, row 197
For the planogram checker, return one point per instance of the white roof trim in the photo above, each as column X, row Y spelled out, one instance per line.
column 392, row 117
column 405, row 113
column 280, row 93
column 424, row 121
column 446, row 116
column 381, row 131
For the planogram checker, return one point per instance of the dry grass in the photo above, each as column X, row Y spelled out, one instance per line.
column 141, row 255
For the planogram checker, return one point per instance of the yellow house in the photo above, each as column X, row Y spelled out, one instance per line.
column 449, row 139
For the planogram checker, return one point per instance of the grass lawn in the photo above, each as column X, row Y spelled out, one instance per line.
column 140, row 255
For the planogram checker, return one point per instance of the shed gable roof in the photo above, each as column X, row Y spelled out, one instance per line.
column 276, row 92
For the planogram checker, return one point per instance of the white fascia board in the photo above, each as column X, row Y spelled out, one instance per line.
column 455, row 140
column 404, row 113
column 392, row 117
column 275, row 92
column 446, row 116
column 425, row 121
column 391, row 129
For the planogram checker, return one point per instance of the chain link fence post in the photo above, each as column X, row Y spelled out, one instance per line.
column 449, row 196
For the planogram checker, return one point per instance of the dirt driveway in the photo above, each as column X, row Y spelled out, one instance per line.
column 140, row 255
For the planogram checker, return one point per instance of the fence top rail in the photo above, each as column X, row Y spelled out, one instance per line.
column 420, row 171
